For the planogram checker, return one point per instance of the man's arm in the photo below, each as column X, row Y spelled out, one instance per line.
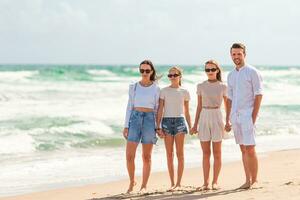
column 256, row 107
column 258, row 92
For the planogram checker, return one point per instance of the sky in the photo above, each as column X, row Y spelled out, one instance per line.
column 165, row 31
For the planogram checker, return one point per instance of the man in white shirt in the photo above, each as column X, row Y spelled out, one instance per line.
column 244, row 99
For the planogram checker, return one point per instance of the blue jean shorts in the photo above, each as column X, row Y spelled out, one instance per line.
column 142, row 127
column 174, row 125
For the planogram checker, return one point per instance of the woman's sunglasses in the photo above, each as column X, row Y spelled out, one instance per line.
column 145, row 70
column 211, row 70
column 173, row 75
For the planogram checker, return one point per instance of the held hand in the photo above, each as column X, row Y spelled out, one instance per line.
column 125, row 133
column 193, row 130
column 160, row 133
column 227, row 127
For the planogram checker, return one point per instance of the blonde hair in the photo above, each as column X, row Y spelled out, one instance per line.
column 213, row 62
column 179, row 71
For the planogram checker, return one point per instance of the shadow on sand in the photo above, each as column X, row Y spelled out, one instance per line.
column 187, row 192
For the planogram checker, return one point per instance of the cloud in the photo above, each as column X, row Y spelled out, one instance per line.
column 126, row 31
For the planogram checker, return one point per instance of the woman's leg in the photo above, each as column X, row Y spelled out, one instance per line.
column 169, row 143
column 147, row 151
column 130, row 156
column 206, row 161
column 217, row 152
column 179, row 141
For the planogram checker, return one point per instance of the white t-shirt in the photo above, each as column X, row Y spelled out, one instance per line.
column 174, row 101
column 212, row 93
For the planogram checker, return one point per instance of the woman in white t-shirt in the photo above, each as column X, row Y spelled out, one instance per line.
column 173, row 111
column 209, row 121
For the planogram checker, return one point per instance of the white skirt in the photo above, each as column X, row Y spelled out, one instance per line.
column 211, row 125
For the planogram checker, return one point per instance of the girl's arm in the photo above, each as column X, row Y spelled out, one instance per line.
column 227, row 105
column 187, row 113
column 198, row 110
column 227, row 95
column 159, row 113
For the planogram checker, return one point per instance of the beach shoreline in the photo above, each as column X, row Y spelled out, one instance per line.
column 279, row 176
column 55, row 136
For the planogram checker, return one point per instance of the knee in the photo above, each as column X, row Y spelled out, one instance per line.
column 130, row 157
column 206, row 154
column 147, row 158
column 251, row 152
column 244, row 152
column 170, row 156
column 217, row 155
column 180, row 156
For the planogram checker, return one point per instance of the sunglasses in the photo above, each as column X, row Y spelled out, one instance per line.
column 173, row 75
column 211, row 70
column 145, row 70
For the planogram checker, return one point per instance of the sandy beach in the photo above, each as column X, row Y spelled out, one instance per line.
column 66, row 74
column 279, row 176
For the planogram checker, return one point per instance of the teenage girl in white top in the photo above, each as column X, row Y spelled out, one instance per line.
column 209, row 121
column 174, row 107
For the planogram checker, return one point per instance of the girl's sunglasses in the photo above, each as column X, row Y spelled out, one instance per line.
column 145, row 70
column 211, row 70
column 173, row 75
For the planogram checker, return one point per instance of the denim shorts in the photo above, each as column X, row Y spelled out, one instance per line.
column 142, row 127
column 174, row 125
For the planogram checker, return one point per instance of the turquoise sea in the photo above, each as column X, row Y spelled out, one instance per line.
column 60, row 125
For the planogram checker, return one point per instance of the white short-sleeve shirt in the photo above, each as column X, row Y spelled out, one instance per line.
column 174, row 101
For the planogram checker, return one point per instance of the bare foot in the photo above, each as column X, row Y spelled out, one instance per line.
column 131, row 186
column 215, row 186
column 245, row 186
column 203, row 188
column 255, row 185
column 143, row 190
column 171, row 189
column 177, row 187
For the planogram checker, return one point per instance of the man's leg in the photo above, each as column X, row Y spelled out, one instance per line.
column 252, row 163
column 247, row 184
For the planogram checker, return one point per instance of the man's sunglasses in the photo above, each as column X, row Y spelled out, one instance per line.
column 173, row 75
column 211, row 70
column 145, row 70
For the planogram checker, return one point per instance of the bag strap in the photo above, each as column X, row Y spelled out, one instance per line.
column 134, row 91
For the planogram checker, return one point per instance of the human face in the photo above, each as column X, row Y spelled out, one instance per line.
column 144, row 69
column 238, row 56
column 174, row 76
column 213, row 71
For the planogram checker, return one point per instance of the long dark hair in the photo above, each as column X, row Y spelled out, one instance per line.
column 153, row 76
column 219, row 74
